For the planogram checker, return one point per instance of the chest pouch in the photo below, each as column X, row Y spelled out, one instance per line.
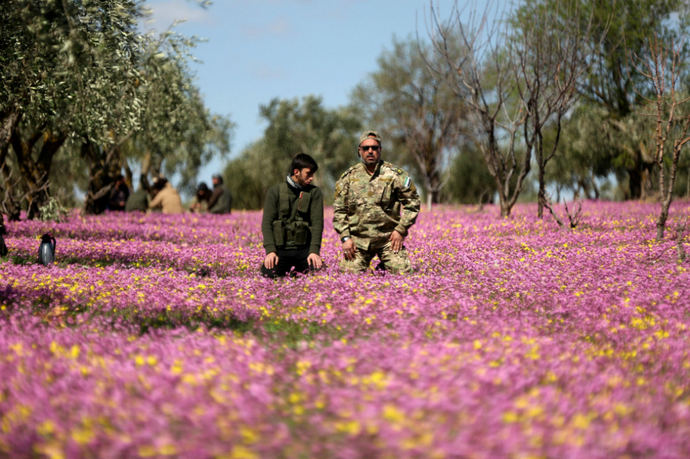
column 292, row 229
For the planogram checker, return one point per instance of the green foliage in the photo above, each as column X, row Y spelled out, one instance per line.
column 70, row 66
column 583, row 152
column 177, row 130
column 612, row 118
column 81, row 75
column 68, row 70
column 418, row 115
column 469, row 179
column 53, row 211
column 294, row 126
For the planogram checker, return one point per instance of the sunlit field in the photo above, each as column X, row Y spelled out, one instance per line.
column 155, row 336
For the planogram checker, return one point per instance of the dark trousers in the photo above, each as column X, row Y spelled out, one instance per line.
column 287, row 260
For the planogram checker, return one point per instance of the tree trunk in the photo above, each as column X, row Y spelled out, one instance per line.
column 505, row 205
column 35, row 173
column 597, row 193
column 541, row 196
column 634, row 184
column 104, row 166
column 8, row 124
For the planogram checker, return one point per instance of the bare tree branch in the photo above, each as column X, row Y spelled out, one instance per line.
column 662, row 69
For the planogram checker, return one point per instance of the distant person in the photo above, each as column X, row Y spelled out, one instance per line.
column 139, row 199
column 292, row 222
column 119, row 194
column 201, row 198
column 167, row 199
column 220, row 201
column 369, row 198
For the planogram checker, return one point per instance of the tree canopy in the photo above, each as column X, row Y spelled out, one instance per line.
column 294, row 126
column 83, row 86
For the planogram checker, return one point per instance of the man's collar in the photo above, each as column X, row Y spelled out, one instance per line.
column 292, row 184
column 376, row 169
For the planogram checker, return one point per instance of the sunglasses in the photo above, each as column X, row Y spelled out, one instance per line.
column 370, row 147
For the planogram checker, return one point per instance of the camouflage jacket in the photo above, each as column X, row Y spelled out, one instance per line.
column 368, row 207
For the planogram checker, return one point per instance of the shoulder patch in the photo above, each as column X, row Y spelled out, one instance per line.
column 407, row 182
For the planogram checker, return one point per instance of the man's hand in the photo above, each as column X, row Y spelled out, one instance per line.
column 314, row 261
column 396, row 241
column 271, row 260
column 349, row 249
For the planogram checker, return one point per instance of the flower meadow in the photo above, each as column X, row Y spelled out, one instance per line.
column 154, row 335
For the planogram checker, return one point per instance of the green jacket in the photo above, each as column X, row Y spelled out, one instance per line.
column 139, row 200
column 292, row 218
column 220, row 201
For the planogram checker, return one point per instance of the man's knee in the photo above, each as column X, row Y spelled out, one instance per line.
column 350, row 266
column 269, row 273
column 356, row 265
column 396, row 262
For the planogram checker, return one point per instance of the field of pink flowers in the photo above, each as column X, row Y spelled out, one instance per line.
column 154, row 336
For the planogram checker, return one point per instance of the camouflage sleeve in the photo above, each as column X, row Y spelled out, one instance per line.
column 409, row 201
column 340, row 220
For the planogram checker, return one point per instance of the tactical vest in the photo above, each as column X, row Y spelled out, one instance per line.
column 291, row 229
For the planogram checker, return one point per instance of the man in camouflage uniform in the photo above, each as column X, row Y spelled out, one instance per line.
column 369, row 198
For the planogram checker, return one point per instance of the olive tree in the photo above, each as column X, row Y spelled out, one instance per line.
column 294, row 126
column 415, row 110
column 69, row 74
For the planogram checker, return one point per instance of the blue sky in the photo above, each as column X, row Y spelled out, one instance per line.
column 257, row 50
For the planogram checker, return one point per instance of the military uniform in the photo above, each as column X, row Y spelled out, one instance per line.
column 292, row 226
column 368, row 208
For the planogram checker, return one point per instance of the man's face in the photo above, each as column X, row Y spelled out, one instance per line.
column 370, row 152
column 303, row 176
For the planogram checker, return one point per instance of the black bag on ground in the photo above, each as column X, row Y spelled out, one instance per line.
column 46, row 251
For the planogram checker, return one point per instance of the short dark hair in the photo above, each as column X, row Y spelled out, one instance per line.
column 302, row 161
column 159, row 183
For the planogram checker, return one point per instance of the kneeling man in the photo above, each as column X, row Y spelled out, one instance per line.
column 292, row 222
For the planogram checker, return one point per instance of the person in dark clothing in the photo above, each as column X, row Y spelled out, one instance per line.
column 139, row 200
column 200, row 202
column 220, row 201
column 118, row 194
column 292, row 222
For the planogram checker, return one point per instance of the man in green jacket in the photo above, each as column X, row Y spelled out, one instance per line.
column 375, row 205
column 292, row 222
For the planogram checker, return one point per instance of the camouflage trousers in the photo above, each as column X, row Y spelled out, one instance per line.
column 393, row 262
